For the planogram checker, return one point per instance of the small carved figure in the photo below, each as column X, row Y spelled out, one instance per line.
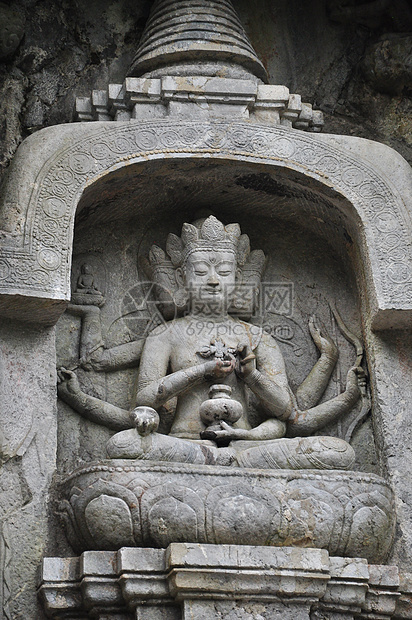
column 86, row 292
column 85, row 282
column 182, row 359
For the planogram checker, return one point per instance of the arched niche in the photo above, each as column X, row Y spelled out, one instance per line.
column 309, row 233
column 349, row 193
column 42, row 194
column 344, row 232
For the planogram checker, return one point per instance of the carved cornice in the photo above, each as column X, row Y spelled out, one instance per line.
column 40, row 267
column 301, row 580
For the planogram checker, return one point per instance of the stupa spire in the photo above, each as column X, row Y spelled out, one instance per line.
column 199, row 32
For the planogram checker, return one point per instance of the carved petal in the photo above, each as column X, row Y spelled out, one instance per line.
column 189, row 233
column 233, row 230
column 257, row 258
column 174, row 247
column 212, row 229
column 156, row 255
column 243, row 249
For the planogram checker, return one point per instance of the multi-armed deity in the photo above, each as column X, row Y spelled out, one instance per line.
column 214, row 364
column 243, row 455
column 203, row 415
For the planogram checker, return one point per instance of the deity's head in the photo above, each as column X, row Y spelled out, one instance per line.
column 86, row 269
column 207, row 263
column 210, row 275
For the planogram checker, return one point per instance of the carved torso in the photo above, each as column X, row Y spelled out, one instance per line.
column 177, row 346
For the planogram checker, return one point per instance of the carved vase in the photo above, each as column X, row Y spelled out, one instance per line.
column 220, row 406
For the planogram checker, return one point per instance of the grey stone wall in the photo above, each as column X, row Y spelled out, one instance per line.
column 28, row 448
column 354, row 66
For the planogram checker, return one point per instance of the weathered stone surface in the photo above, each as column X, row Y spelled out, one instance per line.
column 404, row 602
column 390, row 431
column 12, row 22
column 347, row 589
column 388, row 64
column 28, row 457
column 189, row 581
column 195, row 33
column 47, row 270
column 316, row 55
column 11, row 101
column 320, row 65
column 311, row 190
column 383, row 593
column 228, row 506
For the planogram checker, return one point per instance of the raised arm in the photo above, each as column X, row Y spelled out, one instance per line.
column 93, row 355
column 266, row 377
column 310, row 391
column 89, row 407
column 264, row 373
column 304, row 423
column 117, row 358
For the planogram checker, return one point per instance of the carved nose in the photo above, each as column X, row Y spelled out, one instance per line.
column 213, row 281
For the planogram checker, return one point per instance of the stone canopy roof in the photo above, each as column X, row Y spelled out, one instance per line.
column 193, row 31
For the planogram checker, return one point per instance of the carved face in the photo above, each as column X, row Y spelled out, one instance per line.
column 210, row 276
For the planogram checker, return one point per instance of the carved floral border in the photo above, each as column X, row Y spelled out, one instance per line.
column 43, row 267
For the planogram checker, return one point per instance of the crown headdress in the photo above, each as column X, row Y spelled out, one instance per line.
column 207, row 234
column 210, row 234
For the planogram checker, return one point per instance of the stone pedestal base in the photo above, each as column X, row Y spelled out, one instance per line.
column 190, row 581
column 156, row 504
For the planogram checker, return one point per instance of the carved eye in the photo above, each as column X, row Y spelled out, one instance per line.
column 224, row 269
column 201, row 269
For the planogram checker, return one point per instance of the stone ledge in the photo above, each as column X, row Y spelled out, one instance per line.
column 172, row 583
column 147, row 97
column 368, row 175
column 218, row 506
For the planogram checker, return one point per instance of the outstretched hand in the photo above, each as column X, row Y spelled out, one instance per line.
column 226, row 432
column 67, row 382
column 322, row 340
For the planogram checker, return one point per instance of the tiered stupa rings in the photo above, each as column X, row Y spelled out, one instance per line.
column 193, row 31
column 195, row 60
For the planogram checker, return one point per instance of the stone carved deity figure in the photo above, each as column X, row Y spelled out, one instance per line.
column 86, row 291
column 212, row 364
column 85, row 282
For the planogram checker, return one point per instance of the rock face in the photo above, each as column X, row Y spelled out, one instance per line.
column 68, row 49
column 388, row 64
column 12, row 23
column 238, row 288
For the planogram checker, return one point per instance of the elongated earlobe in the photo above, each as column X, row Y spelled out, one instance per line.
column 180, row 277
